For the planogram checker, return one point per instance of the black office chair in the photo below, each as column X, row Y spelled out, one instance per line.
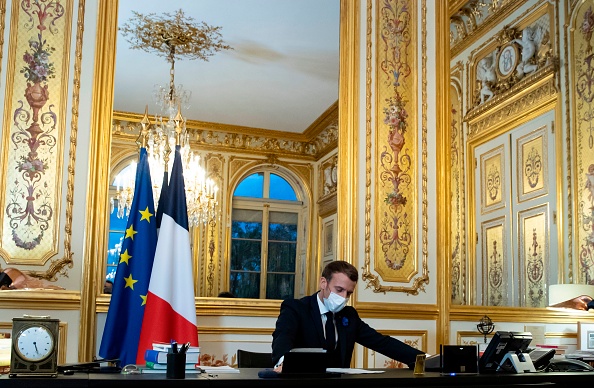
column 247, row 359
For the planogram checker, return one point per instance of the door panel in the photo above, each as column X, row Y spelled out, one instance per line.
column 514, row 216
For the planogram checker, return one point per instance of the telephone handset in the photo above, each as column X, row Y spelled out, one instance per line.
column 569, row 365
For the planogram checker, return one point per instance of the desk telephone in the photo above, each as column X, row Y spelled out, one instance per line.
column 543, row 361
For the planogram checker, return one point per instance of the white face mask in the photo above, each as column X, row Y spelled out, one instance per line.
column 334, row 302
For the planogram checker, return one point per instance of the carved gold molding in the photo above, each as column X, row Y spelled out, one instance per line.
column 40, row 299
column 469, row 29
column 531, row 93
column 519, row 314
column 315, row 142
column 210, row 306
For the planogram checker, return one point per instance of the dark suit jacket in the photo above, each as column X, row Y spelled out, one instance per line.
column 299, row 325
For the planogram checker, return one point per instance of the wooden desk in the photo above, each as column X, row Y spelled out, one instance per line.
column 249, row 378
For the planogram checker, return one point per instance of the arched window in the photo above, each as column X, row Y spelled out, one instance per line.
column 265, row 238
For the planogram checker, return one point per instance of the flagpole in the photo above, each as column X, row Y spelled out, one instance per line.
column 171, row 308
column 127, row 305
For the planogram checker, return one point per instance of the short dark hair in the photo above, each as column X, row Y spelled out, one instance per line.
column 340, row 266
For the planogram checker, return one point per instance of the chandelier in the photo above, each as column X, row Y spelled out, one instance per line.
column 173, row 37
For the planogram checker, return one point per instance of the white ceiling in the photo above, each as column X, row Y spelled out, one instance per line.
column 281, row 75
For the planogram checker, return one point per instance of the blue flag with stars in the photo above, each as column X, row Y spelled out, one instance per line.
column 130, row 286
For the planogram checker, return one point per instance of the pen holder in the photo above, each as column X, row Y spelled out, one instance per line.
column 176, row 365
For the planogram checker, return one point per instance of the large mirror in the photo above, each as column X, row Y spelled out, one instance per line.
column 262, row 113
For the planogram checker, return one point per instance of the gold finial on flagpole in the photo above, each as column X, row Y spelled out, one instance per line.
column 178, row 120
column 141, row 141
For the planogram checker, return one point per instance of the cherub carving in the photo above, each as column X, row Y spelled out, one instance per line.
column 531, row 40
column 486, row 76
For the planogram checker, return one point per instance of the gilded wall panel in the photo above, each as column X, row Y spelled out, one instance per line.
column 305, row 171
column 581, row 46
column 532, row 165
column 493, row 180
column 495, row 263
column 33, row 139
column 534, row 255
column 458, row 257
column 328, row 176
column 396, row 141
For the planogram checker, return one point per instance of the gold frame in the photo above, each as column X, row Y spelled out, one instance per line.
column 101, row 118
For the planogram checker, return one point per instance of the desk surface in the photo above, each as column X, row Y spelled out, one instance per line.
column 248, row 377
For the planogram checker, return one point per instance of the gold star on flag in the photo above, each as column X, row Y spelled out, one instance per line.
column 130, row 232
column 124, row 257
column 146, row 215
column 143, row 297
column 130, row 282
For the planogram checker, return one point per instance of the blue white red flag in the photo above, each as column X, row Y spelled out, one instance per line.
column 131, row 283
column 170, row 307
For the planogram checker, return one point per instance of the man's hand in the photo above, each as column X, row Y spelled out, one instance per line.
column 278, row 368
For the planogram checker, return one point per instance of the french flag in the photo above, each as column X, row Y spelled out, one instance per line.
column 170, row 311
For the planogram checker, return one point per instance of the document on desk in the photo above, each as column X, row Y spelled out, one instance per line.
column 352, row 371
column 218, row 369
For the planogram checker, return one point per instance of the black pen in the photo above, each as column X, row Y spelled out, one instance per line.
column 185, row 347
column 174, row 346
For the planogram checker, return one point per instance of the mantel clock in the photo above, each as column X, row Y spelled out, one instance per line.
column 34, row 350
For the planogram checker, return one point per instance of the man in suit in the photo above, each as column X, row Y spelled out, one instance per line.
column 302, row 323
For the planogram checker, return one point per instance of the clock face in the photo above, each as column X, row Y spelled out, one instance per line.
column 34, row 343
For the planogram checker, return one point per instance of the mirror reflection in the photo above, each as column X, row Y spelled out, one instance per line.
column 261, row 118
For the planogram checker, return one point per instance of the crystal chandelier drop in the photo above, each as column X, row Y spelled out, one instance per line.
column 124, row 183
column 201, row 192
column 174, row 36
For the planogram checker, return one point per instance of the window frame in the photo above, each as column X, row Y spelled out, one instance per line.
column 266, row 205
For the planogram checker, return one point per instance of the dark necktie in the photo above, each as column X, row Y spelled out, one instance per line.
column 330, row 332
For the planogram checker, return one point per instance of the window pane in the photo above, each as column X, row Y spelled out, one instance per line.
column 116, row 223
column 251, row 186
column 283, row 226
column 117, row 227
column 245, row 285
column 280, row 286
column 114, row 247
column 282, row 256
column 246, row 224
column 245, row 255
column 281, row 189
column 282, row 232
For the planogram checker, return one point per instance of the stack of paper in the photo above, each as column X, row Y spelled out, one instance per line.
column 218, row 369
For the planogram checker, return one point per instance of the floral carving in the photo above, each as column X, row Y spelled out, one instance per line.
column 495, row 277
column 396, row 163
column 29, row 201
column 586, row 255
column 584, row 73
column 37, row 67
column 587, row 28
column 533, row 167
column 535, row 272
column 395, row 159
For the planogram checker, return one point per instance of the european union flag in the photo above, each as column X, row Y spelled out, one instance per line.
column 130, row 286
